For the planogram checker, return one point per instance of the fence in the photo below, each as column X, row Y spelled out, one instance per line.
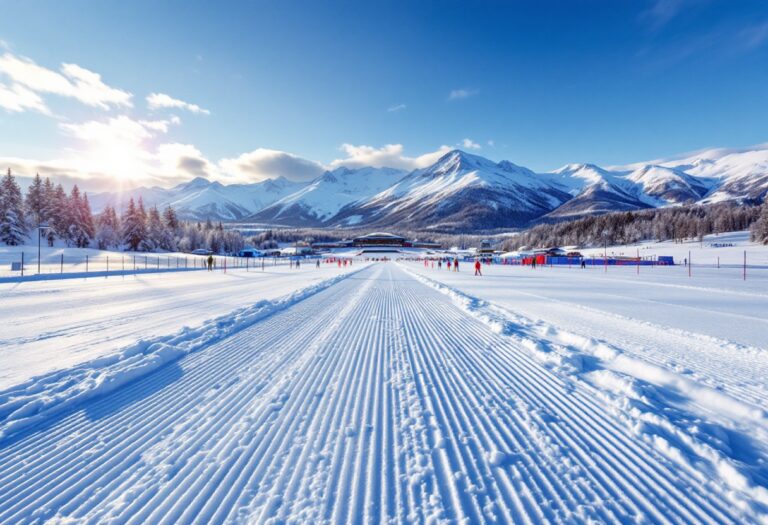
column 28, row 265
column 747, row 263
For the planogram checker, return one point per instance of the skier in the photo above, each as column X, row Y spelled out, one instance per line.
column 584, row 263
column 210, row 263
column 317, row 264
column 456, row 264
column 440, row 264
column 449, row 265
column 298, row 263
column 477, row 268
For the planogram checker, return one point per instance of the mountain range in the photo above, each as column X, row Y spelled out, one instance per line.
column 462, row 191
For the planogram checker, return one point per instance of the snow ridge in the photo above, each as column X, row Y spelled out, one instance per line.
column 42, row 397
column 384, row 403
column 640, row 392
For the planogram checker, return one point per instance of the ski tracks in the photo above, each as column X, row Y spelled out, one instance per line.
column 376, row 400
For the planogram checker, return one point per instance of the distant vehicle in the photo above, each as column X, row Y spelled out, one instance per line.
column 201, row 251
column 250, row 252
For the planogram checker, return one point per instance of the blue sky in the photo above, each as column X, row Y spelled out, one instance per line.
column 296, row 87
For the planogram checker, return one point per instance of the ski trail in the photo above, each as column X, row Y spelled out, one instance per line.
column 374, row 400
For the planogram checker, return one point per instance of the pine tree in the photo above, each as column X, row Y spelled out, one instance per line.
column 134, row 226
column 759, row 230
column 86, row 218
column 155, row 231
column 79, row 219
column 47, row 212
column 59, row 213
column 35, row 201
column 12, row 224
column 107, row 229
column 171, row 219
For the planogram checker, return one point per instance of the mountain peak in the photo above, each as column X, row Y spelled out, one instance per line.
column 196, row 183
column 458, row 160
column 579, row 166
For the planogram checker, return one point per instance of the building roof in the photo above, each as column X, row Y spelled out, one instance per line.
column 380, row 235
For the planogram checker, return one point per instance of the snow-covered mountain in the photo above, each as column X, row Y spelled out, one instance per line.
column 459, row 191
column 595, row 190
column 462, row 191
column 323, row 198
column 202, row 199
column 729, row 173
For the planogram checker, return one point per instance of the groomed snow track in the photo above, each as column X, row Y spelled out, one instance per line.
column 375, row 400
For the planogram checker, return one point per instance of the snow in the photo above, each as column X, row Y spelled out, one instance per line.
column 727, row 248
column 203, row 198
column 74, row 260
column 707, row 176
column 457, row 171
column 52, row 325
column 328, row 194
column 690, row 370
column 388, row 392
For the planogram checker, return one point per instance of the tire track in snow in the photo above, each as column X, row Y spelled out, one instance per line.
column 376, row 400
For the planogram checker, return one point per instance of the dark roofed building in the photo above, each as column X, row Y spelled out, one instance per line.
column 380, row 239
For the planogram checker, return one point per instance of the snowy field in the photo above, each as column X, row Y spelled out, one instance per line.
column 60, row 259
column 49, row 325
column 390, row 392
column 726, row 250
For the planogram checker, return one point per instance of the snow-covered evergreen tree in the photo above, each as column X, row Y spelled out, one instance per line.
column 759, row 230
column 108, row 229
column 134, row 226
column 155, row 231
column 59, row 213
column 12, row 224
column 47, row 212
column 171, row 219
column 35, row 201
column 80, row 230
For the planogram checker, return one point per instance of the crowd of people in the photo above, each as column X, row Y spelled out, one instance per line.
column 452, row 264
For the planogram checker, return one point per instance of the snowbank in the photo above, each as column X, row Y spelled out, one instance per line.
column 690, row 423
column 39, row 398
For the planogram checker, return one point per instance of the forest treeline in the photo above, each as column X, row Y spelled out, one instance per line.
column 660, row 224
column 68, row 217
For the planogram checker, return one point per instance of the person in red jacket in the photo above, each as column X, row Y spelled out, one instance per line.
column 477, row 268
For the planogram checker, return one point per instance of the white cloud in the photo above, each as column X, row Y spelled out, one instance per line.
column 121, row 149
column 17, row 98
column 73, row 82
column 89, row 88
column 396, row 108
column 491, row 143
column 263, row 163
column 184, row 161
column 457, row 94
column 389, row 155
column 470, row 144
column 161, row 100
